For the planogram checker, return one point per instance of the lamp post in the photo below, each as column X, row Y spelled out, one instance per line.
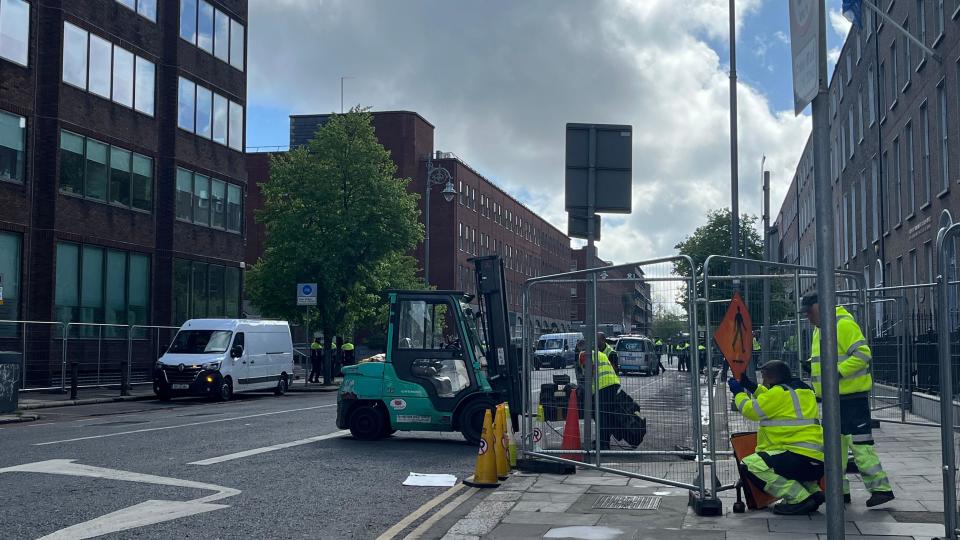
column 436, row 175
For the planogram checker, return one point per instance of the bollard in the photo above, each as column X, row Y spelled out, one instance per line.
column 74, row 374
column 124, row 378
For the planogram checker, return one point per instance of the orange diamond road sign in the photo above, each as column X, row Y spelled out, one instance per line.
column 734, row 336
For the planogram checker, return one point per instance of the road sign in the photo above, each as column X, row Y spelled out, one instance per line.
column 611, row 149
column 577, row 225
column 306, row 294
column 734, row 336
column 804, row 43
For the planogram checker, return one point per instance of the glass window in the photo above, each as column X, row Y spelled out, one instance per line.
column 922, row 24
column 234, row 208
column 220, row 108
column 145, row 87
column 215, row 292
column 186, row 100
column 188, row 20
column 236, row 44
column 871, row 95
column 91, row 280
column 907, row 64
column 15, row 30
column 123, row 77
column 218, row 201
column 875, row 195
column 231, row 292
column 201, row 341
column 894, row 73
column 13, row 132
column 142, row 186
column 201, row 200
column 205, row 26
column 184, row 195
column 199, row 296
column 236, row 126
column 71, row 163
column 9, row 280
column 925, row 141
column 97, row 173
column 116, row 297
column 148, row 9
column 129, row 3
column 204, row 111
column 138, row 290
column 101, row 58
column 911, row 170
column 74, row 55
column 221, row 36
column 67, row 288
column 944, row 138
column 119, row 176
column 182, row 285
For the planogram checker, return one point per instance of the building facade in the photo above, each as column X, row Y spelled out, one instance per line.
column 622, row 306
column 894, row 159
column 122, row 172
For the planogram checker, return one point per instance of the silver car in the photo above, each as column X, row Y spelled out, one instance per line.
column 637, row 354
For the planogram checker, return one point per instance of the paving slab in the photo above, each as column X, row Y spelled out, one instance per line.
column 807, row 527
column 557, row 520
column 590, row 480
column 542, row 506
column 550, row 497
column 901, row 529
column 516, row 531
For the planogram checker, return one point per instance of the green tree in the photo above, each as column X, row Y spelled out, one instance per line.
column 336, row 215
column 666, row 325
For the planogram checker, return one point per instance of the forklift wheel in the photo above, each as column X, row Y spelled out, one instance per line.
column 367, row 424
column 471, row 420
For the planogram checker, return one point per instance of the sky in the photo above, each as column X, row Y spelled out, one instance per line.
column 500, row 79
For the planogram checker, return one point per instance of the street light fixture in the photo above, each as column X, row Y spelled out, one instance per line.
column 436, row 175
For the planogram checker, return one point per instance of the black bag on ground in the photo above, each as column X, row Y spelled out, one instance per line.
column 631, row 425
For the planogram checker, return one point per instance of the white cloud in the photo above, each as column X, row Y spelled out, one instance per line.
column 783, row 37
column 501, row 79
column 839, row 23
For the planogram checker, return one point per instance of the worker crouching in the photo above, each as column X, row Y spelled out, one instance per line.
column 788, row 462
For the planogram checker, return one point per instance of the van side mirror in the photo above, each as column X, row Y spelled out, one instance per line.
column 236, row 351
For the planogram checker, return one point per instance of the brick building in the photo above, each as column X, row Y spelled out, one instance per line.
column 122, row 173
column 627, row 306
column 894, row 161
column 483, row 219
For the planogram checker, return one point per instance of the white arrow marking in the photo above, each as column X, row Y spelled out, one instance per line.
column 139, row 515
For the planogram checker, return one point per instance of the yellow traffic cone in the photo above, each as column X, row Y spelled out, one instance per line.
column 511, row 439
column 500, row 436
column 485, row 475
column 540, row 413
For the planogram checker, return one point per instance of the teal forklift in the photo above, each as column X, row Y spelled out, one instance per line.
column 446, row 363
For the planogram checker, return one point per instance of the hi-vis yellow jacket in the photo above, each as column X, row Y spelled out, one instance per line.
column 788, row 419
column 853, row 357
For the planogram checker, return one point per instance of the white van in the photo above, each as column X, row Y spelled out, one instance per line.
column 556, row 351
column 217, row 357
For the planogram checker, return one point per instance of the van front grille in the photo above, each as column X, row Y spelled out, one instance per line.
column 175, row 376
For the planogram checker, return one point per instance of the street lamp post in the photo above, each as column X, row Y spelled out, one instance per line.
column 436, row 175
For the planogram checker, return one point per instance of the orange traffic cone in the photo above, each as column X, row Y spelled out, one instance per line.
column 571, row 430
column 511, row 438
column 485, row 475
column 501, row 449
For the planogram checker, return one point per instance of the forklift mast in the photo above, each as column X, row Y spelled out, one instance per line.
column 503, row 359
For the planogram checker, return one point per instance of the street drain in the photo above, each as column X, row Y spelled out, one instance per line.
column 627, row 502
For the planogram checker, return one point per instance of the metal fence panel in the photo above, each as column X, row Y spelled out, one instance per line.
column 40, row 345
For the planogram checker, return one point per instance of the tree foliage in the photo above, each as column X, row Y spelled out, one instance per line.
column 335, row 215
column 667, row 325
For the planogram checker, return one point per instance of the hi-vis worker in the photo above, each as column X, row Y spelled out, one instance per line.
column 853, row 362
column 788, row 462
column 609, row 385
column 609, row 351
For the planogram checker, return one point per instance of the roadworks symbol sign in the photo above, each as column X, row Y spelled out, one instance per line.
column 734, row 336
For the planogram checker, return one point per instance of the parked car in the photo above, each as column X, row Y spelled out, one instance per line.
column 637, row 354
column 556, row 351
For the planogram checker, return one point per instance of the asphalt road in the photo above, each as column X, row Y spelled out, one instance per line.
column 120, row 464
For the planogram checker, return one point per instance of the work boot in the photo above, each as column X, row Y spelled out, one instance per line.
column 879, row 497
column 846, row 498
column 819, row 498
column 804, row 507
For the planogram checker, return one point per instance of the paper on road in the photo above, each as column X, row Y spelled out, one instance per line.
column 430, row 480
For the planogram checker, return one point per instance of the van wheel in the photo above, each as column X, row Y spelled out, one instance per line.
column 163, row 395
column 367, row 424
column 282, row 385
column 471, row 420
column 225, row 392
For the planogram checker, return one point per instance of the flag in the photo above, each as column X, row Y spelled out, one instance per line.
column 853, row 11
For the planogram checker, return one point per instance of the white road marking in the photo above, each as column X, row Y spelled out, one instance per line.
column 265, row 449
column 147, row 430
column 139, row 515
column 392, row 532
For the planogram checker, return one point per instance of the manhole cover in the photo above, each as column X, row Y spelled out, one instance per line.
column 627, row 502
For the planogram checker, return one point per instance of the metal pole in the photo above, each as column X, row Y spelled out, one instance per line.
column 426, row 232
column 695, row 384
column 596, row 382
column 765, row 331
column 826, row 290
column 125, row 365
column 946, row 395
column 734, row 180
column 63, row 359
column 23, row 356
column 591, row 299
column 526, row 408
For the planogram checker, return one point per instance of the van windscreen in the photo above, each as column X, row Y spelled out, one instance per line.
column 631, row 345
column 549, row 344
column 201, row 341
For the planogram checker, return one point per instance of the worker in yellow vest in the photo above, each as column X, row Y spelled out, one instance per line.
column 606, row 389
column 348, row 359
column 788, row 462
column 316, row 361
column 856, row 382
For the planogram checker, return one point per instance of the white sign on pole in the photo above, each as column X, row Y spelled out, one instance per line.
column 306, row 294
column 804, row 43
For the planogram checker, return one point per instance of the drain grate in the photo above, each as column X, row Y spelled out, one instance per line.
column 627, row 502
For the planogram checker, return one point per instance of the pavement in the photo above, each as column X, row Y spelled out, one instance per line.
column 551, row 506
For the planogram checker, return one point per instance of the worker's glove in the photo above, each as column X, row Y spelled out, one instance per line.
column 734, row 385
column 747, row 384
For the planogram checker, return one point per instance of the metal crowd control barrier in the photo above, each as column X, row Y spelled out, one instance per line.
column 644, row 301
column 722, row 276
column 41, row 345
column 947, row 326
column 145, row 345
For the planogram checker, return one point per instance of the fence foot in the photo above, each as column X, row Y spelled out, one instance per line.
column 74, row 375
column 706, row 506
column 544, row 467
